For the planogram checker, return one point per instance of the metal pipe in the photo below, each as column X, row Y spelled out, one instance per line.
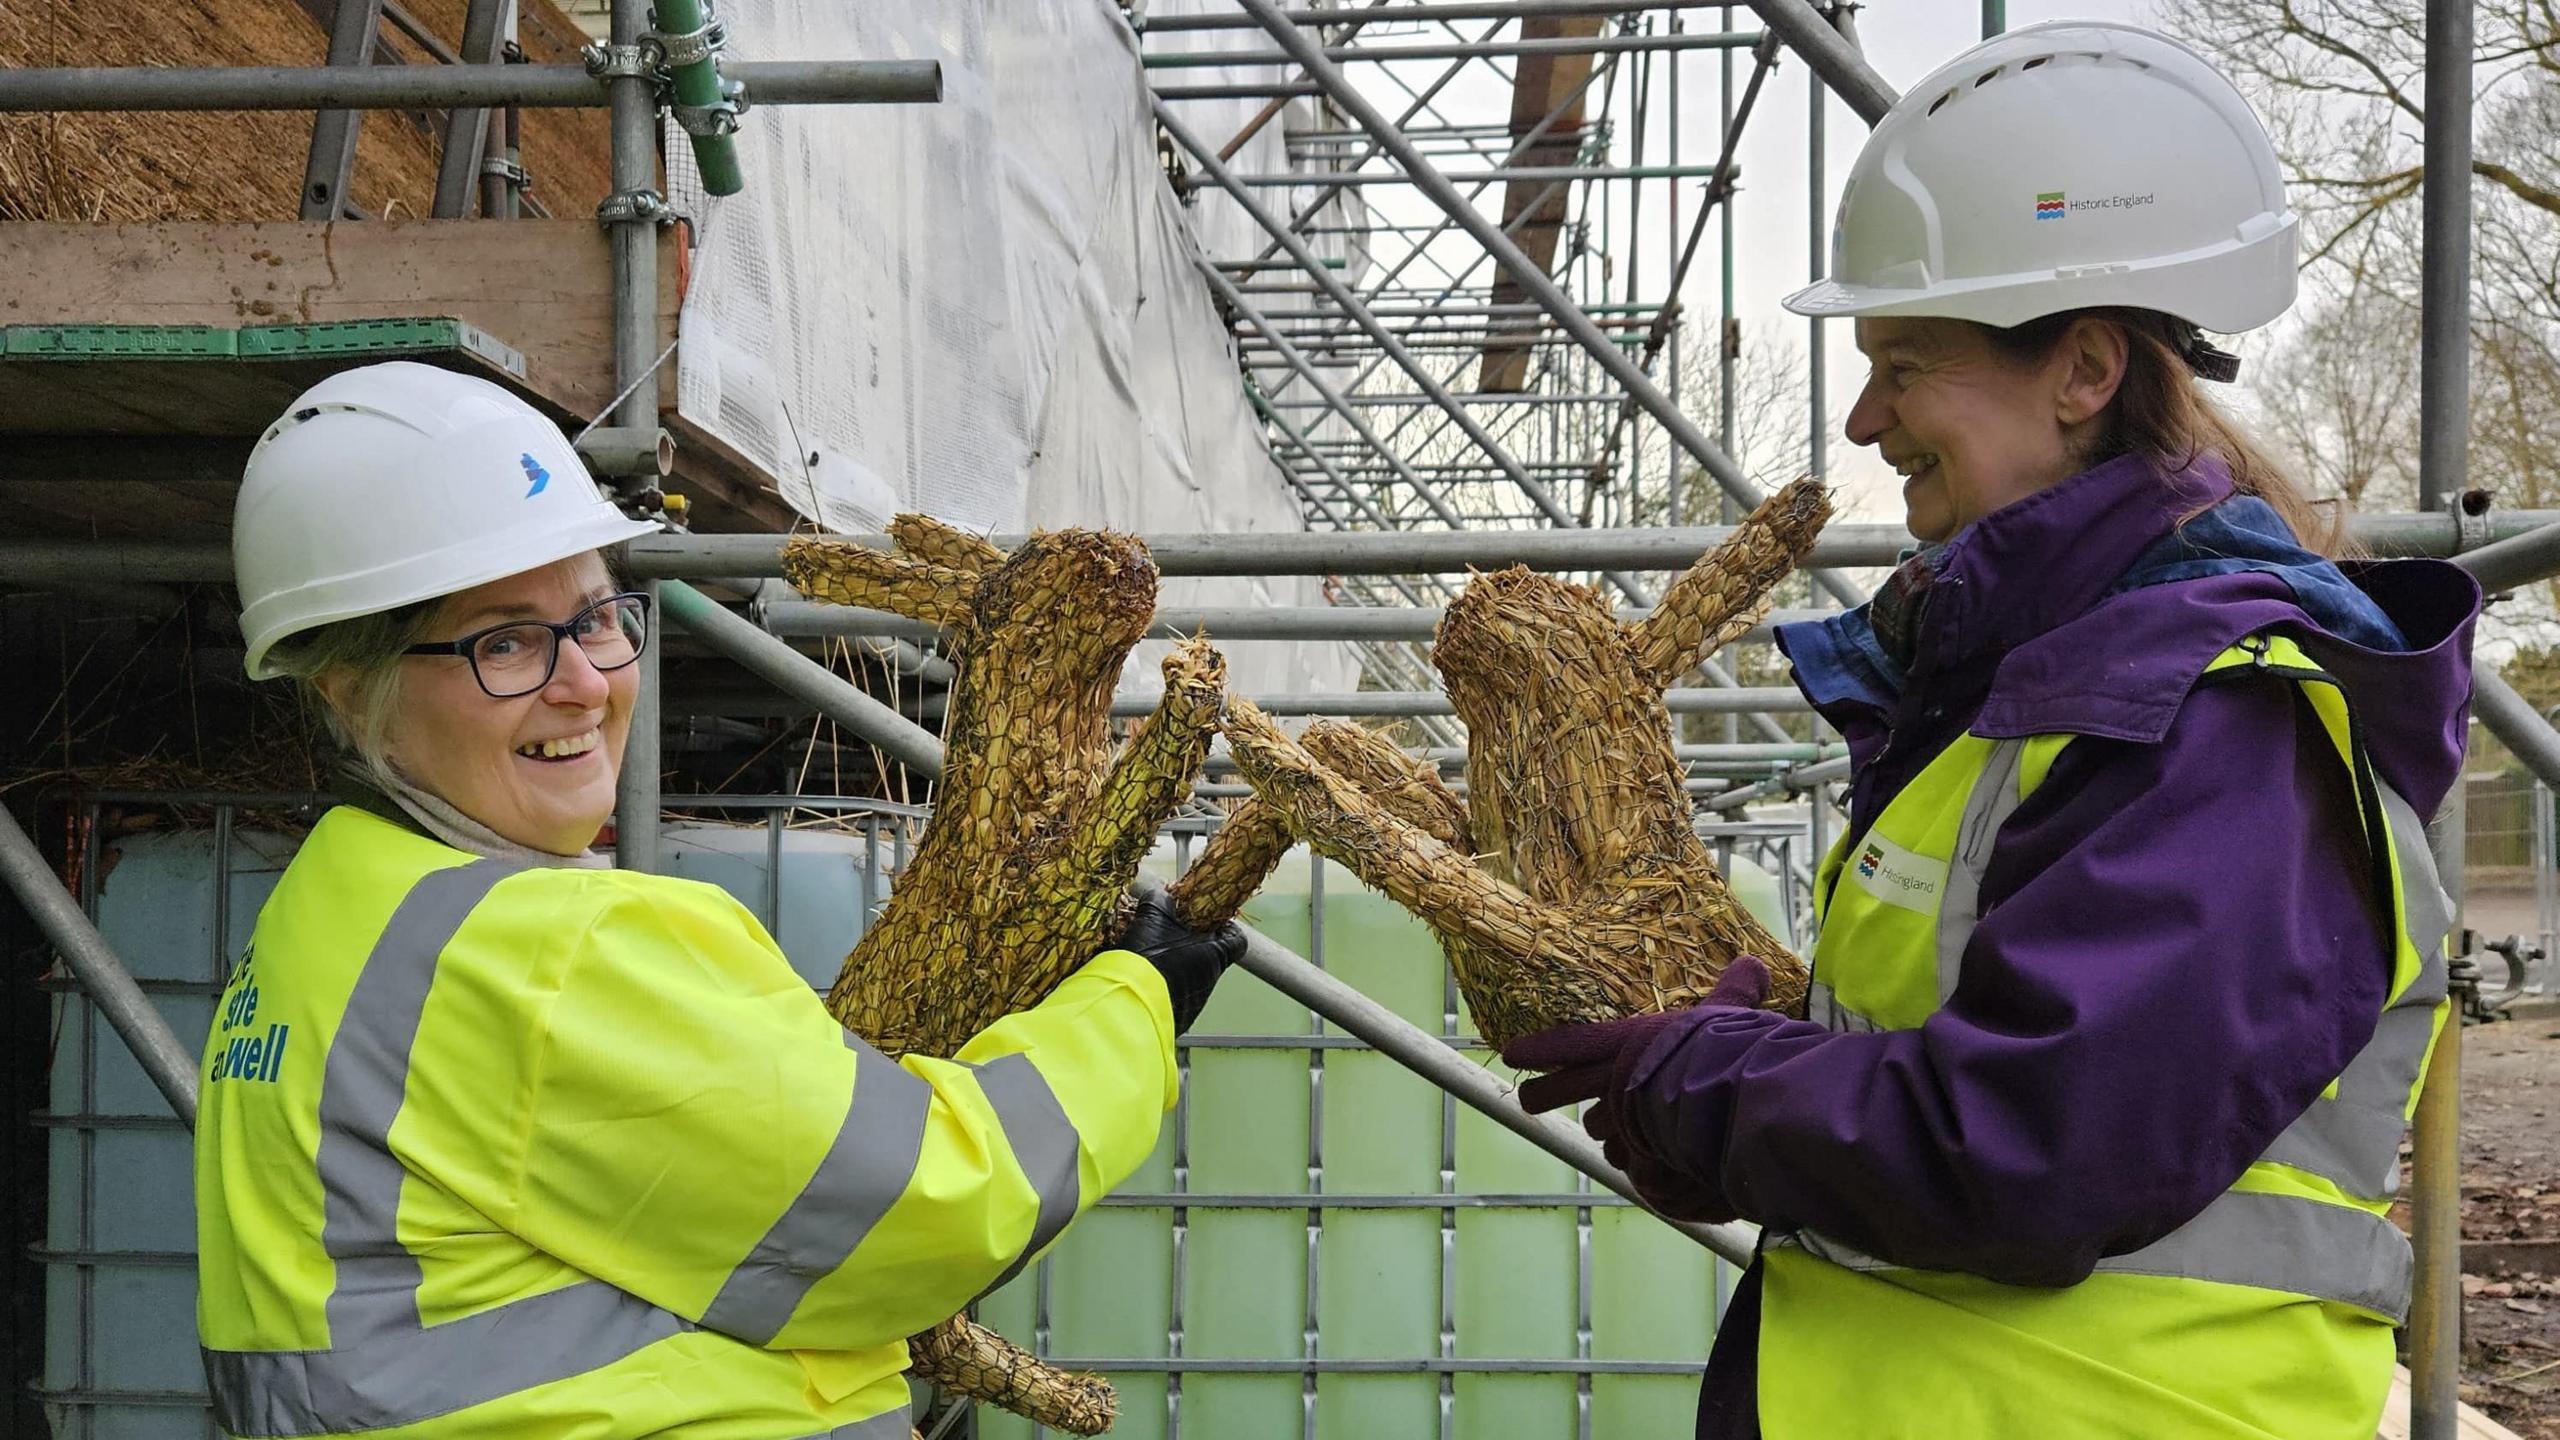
column 1337, row 179
column 1697, row 700
column 466, row 130
column 353, row 28
column 1307, row 369
column 1529, row 276
column 634, row 130
column 2435, row 1204
column 1566, row 45
column 1830, row 55
column 438, row 87
column 1803, row 777
column 2513, row 720
column 1360, row 552
column 804, row 679
column 171, row 1066
column 697, row 85
column 2444, row 432
column 2444, row 286
column 1353, row 306
column 1466, row 1078
column 803, row 618
column 2516, row 560
column 1497, row 10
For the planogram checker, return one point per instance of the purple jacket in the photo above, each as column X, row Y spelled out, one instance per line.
column 2178, row 947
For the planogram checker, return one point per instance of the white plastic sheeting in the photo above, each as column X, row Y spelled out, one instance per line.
column 987, row 310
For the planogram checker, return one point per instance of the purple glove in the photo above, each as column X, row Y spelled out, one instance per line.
column 1596, row 1062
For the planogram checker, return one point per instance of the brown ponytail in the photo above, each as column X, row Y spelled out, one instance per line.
column 2162, row 413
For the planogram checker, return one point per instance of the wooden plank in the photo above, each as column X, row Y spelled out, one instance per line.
column 542, row 286
column 729, row 493
column 1539, row 84
column 2470, row 1424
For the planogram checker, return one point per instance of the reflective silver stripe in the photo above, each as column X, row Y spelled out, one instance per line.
column 862, row 1174
column 2285, row 1242
column 1847, row 1257
column 1824, row 1008
column 2353, row 1140
column 2270, row 1242
column 888, row 1425
column 1044, row 1143
column 385, row 1366
column 399, row 1379
column 1995, row 797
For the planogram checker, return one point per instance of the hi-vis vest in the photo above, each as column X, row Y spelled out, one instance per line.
column 494, row 1151
column 2266, row 1317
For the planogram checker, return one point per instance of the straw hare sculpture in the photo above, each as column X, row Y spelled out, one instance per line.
column 1576, row 889
column 1038, row 830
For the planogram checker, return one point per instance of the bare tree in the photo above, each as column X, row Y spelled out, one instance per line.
column 2341, row 86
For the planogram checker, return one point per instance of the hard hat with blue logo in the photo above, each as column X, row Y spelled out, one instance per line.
column 2065, row 166
column 395, row 483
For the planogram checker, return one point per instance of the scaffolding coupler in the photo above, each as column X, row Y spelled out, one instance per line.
column 681, row 57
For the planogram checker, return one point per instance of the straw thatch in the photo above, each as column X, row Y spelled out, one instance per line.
column 202, row 165
column 1594, row 896
column 1037, row 831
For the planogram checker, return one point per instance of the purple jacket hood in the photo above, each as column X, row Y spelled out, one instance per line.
column 2099, row 601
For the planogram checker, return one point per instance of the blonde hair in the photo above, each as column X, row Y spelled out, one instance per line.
column 362, row 657
column 2162, row 413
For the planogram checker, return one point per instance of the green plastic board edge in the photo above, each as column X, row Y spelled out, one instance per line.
column 379, row 337
column 120, row 342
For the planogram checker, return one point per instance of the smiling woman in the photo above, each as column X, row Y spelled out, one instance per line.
column 653, row 1187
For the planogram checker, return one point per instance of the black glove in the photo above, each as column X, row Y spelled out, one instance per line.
column 1190, row 960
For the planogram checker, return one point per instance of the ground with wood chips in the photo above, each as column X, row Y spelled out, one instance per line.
column 2511, row 1221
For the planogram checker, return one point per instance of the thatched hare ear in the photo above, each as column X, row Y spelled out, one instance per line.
column 844, row 573
column 1408, row 788
column 1728, row 590
column 1149, row 780
column 924, row 538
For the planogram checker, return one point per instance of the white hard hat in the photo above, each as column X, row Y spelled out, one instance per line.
column 2071, row 164
column 399, row 482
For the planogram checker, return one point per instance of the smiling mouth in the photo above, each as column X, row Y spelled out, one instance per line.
column 1912, row 469
column 553, row 752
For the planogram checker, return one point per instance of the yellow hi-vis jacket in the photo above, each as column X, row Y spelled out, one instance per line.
column 2266, row 1317
column 495, row 1151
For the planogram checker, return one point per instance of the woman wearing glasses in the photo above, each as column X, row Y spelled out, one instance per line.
column 496, row 1140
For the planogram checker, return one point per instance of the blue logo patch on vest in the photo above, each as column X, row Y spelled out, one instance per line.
column 534, row 472
column 1868, row 862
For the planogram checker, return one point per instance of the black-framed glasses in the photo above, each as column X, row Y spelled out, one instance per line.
column 518, row 657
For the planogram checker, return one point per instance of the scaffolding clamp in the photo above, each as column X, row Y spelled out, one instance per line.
column 620, row 62
column 687, row 47
column 626, row 206
column 718, row 118
column 2471, row 520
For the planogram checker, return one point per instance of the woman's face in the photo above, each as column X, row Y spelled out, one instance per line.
column 1968, row 429
column 486, row 756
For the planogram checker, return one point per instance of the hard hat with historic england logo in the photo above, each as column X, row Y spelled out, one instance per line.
column 2062, row 166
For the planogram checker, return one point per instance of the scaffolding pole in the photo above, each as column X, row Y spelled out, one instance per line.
column 169, row 1064
column 441, row 87
column 1351, row 552
column 2444, row 435
column 1531, row 278
column 637, row 203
